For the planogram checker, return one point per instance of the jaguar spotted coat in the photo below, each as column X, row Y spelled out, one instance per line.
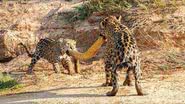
column 121, row 51
column 55, row 52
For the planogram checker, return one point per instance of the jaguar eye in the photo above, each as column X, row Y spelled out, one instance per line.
column 106, row 20
column 103, row 23
column 71, row 47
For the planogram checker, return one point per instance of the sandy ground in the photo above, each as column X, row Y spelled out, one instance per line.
column 160, row 89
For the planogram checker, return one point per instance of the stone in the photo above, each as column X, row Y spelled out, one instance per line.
column 9, row 41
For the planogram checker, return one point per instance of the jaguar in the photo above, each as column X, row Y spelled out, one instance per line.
column 54, row 51
column 121, row 52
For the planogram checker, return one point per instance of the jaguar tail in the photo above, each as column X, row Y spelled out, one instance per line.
column 24, row 46
column 90, row 52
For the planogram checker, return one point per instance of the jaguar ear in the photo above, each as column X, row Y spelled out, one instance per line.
column 119, row 18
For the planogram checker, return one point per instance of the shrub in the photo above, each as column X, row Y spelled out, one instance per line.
column 85, row 10
column 7, row 82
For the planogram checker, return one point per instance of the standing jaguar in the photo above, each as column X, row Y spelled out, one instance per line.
column 121, row 51
column 55, row 52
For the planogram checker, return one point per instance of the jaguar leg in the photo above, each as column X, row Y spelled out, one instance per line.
column 137, row 76
column 30, row 68
column 114, row 80
column 70, row 67
column 108, row 76
column 128, row 78
column 56, row 67
column 76, row 65
column 32, row 64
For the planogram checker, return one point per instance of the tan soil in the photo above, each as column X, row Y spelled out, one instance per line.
column 77, row 89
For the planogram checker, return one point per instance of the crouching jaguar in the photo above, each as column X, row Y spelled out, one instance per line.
column 121, row 51
column 54, row 51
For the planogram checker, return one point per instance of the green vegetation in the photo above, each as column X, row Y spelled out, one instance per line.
column 107, row 5
column 7, row 82
column 82, row 12
column 110, row 6
column 160, row 3
column 164, row 67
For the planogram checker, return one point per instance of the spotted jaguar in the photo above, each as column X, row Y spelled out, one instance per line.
column 54, row 51
column 121, row 51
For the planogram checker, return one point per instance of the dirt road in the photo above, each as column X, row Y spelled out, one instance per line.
column 160, row 89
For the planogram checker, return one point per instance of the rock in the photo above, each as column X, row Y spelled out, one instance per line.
column 25, row 25
column 3, row 13
column 9, row 41
column 95, row 17
column 1, row 67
